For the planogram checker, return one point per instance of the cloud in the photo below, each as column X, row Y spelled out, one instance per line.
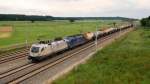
column 143, row 4
column 128, row 8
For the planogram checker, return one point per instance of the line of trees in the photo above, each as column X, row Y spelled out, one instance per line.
column 145, row 22
column 16, row 17
column 93, row 18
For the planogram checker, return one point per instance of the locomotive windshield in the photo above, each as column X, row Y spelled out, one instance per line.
column 35, row 49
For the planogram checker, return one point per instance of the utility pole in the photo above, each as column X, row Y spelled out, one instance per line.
column 26, row 39
column 96, row 39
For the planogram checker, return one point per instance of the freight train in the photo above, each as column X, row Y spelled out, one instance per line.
column 44, row 49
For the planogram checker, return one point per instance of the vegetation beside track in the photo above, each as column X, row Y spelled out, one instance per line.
column 126, row 61
column 23, row 30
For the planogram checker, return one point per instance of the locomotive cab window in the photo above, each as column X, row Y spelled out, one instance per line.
column 35, row 49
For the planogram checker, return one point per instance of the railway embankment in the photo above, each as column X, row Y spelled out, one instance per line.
column 124, row 61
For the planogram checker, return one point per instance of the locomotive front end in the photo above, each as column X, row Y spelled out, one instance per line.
column 35, row 53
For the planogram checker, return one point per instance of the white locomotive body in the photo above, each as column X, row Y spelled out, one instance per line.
column 40, row 50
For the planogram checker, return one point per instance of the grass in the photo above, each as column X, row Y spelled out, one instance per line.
column 23, row 30
column 126, row 61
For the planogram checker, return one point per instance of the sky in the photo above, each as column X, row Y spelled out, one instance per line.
column 77, row 8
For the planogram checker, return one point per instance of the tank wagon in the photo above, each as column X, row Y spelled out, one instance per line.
column 44, row 49
column 88, row 35
column 98, row 34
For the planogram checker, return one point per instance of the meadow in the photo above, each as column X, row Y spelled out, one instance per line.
column 126, row 61
column 25, row 30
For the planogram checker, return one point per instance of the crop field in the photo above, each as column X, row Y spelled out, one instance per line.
column 126, row 61
column 25, row 30
column 5, row 32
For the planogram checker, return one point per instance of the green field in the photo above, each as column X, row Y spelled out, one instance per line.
column 23, row 30
column 126, row 61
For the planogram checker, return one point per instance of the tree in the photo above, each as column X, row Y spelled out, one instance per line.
column 145, row 22
column 149, row 17
column 114, row 23
column 32, row 21
column 71, row 20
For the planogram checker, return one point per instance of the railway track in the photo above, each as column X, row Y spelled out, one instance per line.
column 5, row 55
column 22, row 73
column 14, row 68
column 14, row 55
